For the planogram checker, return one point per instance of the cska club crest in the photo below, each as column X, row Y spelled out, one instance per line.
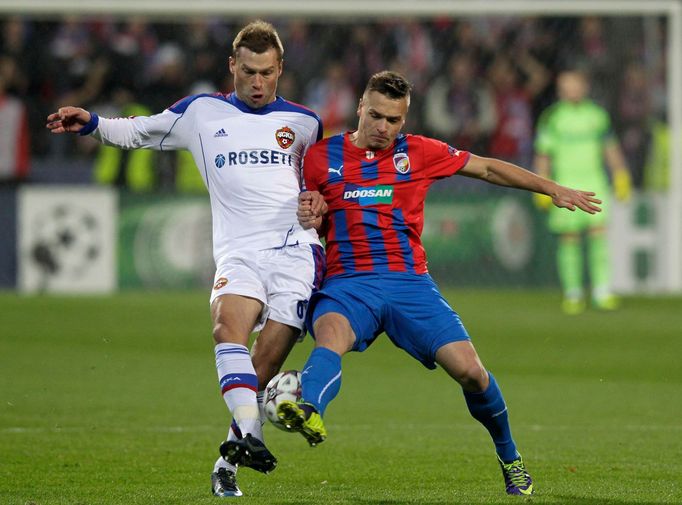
column 285, row 137
column 369, row 155
column 220, row 283
column 401, row 163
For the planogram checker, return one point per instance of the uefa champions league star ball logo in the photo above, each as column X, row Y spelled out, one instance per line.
column 220, row 161
column 453, row 152
column 66, row 242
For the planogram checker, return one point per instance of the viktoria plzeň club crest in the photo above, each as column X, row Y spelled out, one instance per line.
column 285, row 137
column 401, row 163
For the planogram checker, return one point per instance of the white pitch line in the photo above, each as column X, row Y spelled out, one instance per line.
column 97, row 429
column 354, row 427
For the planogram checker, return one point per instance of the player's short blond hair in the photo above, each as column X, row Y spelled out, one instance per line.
column 258, row 36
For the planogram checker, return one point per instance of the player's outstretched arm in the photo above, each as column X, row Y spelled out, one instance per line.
column 503, row 173
column 311, row 209
column 68, row 119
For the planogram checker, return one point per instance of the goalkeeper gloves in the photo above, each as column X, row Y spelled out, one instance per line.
column 622, row 185
column 542, row 202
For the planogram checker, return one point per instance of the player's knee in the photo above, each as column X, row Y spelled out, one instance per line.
column 219, row 333
column 223, row 334
column 334, row 336
column 473, row 378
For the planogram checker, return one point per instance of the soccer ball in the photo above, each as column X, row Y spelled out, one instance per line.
column 283, row 386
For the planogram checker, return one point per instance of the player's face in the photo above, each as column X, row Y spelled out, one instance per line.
column 381, row 119
column 255, row 76
column 572, row 86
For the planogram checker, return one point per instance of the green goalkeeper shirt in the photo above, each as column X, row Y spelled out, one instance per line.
column 573, row 135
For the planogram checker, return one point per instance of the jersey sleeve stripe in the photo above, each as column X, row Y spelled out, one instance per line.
column 170, row 130
column 203, row 158
column 181, row 105
column 288, row 106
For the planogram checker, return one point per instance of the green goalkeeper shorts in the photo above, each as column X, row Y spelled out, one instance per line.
column 565, row 221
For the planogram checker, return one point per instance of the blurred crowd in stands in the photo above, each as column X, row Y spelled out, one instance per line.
column 480, row 82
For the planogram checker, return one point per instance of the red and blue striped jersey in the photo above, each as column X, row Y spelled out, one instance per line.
column 376, row 200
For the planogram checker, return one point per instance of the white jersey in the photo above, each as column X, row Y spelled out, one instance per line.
column 250, row 160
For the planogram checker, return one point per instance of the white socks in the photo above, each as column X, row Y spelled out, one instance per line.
column 239, row 384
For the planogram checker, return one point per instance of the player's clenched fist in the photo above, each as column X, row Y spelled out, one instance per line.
column 68, row 119
column 311, row 208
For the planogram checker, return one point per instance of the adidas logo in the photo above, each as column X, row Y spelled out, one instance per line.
column 220, row 133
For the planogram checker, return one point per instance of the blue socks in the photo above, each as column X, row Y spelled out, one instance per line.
column 321, row 378
column 489, row 409
column 321, row 382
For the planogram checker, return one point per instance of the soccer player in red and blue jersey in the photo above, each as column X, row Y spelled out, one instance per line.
column 374, row 181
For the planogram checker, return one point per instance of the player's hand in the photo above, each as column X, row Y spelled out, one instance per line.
column 68, row 119
column 571, row 199
column 622, row 185
column 318, row 206
column 542, row 202
column 311, row 209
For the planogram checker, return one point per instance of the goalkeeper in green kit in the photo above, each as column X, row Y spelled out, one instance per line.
column 574, row 143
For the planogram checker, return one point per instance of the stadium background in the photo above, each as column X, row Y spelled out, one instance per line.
column 111, row 399
column 482, row 75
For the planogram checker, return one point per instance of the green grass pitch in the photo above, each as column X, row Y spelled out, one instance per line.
column 114, row 400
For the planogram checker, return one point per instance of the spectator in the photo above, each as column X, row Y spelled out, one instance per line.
column 415, row 49
column 593, row 56
column 133, row 169
column 78, row 60
column 459, row 107
column 333, row 98
column 204, row 41
column 512, row 137
column 133, row 46
column 363, row 55
column 14, row 142
column 168, row 77
column 633, row 119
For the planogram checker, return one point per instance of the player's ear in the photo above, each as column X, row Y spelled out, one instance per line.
column 231, row 64
column 359, row 111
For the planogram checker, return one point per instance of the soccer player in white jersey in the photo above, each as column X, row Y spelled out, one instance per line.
column 248, row 146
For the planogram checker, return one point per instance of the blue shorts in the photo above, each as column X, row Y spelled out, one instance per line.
column 408, row 307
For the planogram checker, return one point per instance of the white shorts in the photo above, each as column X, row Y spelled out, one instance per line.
column 283, row 279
